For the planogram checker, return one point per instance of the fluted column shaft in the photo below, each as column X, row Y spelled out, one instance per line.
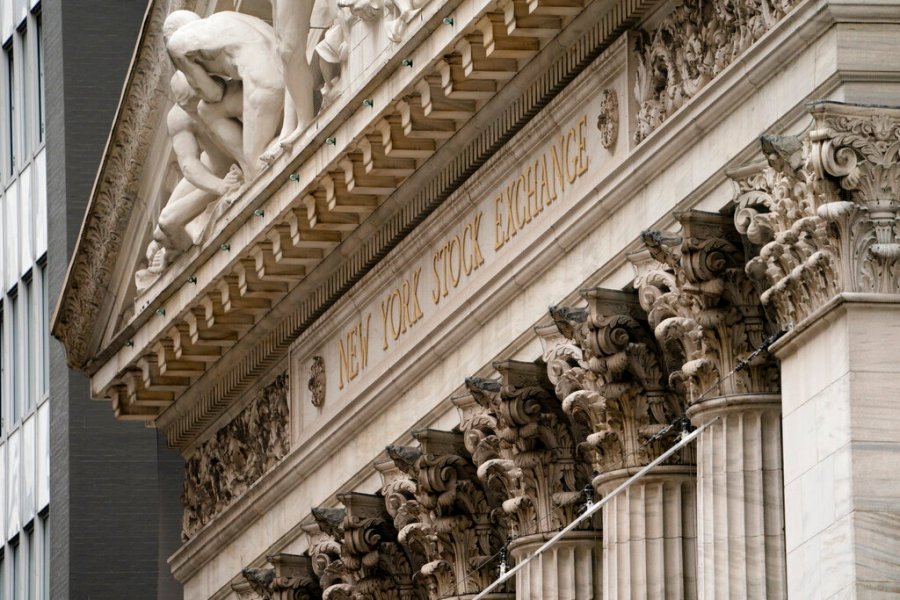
column 569, row 570
column 740, row 498
column 649, row 535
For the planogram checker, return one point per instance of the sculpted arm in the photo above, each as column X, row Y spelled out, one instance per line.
column 183, row 54
column 187, row 152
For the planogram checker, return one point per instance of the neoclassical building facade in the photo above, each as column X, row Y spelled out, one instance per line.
column 413, row 285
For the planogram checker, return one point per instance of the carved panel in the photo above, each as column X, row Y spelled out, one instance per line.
column 692, row 45
column 226, row 465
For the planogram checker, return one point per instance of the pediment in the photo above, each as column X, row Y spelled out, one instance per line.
column 393, row 131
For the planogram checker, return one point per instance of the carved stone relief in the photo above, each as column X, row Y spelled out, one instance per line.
column 608, row 120
column 226, row 465
column 822, row 217
column 316, row 383
column 692, row 45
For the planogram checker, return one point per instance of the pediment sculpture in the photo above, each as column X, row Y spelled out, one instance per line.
column 244, row 91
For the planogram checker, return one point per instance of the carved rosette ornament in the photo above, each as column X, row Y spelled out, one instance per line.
column 823, row 214
column 316, row 383
column 224, row 467
column 608, row 120
column 530, row 458
column 617, row 388
column 455, row 524
column 692, row 45
column 704, row 309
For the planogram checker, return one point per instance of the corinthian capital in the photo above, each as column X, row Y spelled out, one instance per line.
column 618, row 390
column 823, row 214
column 704, row 309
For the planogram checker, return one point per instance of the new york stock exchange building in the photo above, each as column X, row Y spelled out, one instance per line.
column 509, row 299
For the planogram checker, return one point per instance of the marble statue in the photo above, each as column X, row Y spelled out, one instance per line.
column 231, row 47
column 291, row 20
column 208, row 173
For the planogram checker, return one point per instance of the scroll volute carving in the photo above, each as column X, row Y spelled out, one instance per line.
column 532, row 460
column 457, row 529
column 617, row 390
column 325, row 544
column 381, row 567
column 824, row 212
column 291, row 577
column 707, row 315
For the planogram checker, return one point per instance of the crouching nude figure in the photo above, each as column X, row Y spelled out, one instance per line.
column 231, row 47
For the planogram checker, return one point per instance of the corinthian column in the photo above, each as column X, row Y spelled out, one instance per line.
column 706, row 314
column 525, row 449
column 615, row 388
column 822, row 218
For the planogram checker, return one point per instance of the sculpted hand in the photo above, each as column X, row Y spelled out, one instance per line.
column 233, row 179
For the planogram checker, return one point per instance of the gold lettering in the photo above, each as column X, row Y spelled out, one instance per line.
column 546, row 196
column 467, row 264
column 582, row 157
column 500, row 238
column 454, row 242
column 354, row 356
column 385, row 309
column 415, row 294
column 436, row 292
column 477, row 258
column 570, row 175
column 398, row 326
column 522, row 182
column 364, row 342
column 446, row 252
column 511, row 213
column 404, row 303
column 558, row 174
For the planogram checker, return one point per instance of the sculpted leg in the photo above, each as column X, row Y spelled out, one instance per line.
column 222, row 120
column 262, row 117
column 184, row 205
column 291, row 19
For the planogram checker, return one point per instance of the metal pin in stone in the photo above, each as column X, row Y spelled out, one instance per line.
column 259, row 213
column 294, row 177
column 406, row 62
column 161, row 312
column 331, row 141
column 369, row 102
column 192, row 279
column 225, row 247
column 447, row 21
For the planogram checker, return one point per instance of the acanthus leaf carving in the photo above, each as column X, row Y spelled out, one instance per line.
column 456, row 528
column 704, row 309
column 823, row 213
column 618, row 390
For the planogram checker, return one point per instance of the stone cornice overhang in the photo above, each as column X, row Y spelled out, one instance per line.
column 679, row 134
column 266, row 342
column 85, row 290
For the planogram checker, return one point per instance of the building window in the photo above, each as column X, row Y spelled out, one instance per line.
column 39, row 71
column 14, row 358
column 10, row 107
column 24, row 97
column 14, row 570
column 44, row 340
column 45, row 556
column 27, row 302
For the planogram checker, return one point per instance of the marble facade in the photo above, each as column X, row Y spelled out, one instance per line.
column 348, row 336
